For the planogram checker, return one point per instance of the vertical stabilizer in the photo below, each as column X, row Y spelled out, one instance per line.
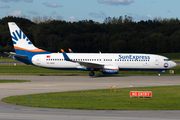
column 22, row 44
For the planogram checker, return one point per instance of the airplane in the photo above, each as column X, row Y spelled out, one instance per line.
column 107, row 63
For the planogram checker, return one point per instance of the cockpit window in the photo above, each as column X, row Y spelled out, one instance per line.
column 166, row 59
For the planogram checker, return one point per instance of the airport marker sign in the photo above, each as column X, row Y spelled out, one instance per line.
column 140, row 93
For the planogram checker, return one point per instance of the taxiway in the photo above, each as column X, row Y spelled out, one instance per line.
column 45, row 84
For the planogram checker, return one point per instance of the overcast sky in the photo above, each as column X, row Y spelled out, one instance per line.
column 96, row 10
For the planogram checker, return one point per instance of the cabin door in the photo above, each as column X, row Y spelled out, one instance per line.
column 156, row 61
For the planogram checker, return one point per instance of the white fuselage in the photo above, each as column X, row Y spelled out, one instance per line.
column 127, row 61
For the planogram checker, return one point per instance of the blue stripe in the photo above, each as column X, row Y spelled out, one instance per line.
column 29, row 53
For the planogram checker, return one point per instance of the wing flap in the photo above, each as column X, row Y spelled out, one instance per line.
column 89, row 65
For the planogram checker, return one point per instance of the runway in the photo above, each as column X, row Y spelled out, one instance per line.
column 45, row 84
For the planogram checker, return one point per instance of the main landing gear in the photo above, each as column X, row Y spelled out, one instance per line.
column 91, row 73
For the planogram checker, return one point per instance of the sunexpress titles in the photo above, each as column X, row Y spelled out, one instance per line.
column 134, row 57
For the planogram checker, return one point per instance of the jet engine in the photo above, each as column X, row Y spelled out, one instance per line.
column 110, row 70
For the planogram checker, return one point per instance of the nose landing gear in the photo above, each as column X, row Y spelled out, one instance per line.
column 159, row 74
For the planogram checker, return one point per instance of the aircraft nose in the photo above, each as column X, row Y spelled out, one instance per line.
column 173, row 64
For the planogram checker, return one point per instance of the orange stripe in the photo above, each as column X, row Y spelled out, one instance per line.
column 34, row 50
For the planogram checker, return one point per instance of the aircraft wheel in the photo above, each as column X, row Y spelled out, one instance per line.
column 159, row 74
column 91, row 73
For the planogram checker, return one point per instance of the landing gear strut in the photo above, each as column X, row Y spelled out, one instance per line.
column 91, row 73
column 159, row 74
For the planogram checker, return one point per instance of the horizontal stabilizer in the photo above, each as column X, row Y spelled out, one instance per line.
column 16, row 55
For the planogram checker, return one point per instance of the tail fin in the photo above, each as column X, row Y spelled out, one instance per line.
column 22, row 45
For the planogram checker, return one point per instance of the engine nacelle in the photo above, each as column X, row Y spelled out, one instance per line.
column 110, row 70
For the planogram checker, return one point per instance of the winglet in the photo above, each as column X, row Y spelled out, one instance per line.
column 62, row 50
column 70, row 50
column 65, row 55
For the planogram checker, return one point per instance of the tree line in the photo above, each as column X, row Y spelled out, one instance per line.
column 114, row 35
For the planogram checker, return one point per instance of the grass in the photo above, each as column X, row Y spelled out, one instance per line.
column 22, row 69
column 164, row 98
column 12, row 81
column 7, row 59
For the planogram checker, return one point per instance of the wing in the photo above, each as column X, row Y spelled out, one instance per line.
column 86, row 64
